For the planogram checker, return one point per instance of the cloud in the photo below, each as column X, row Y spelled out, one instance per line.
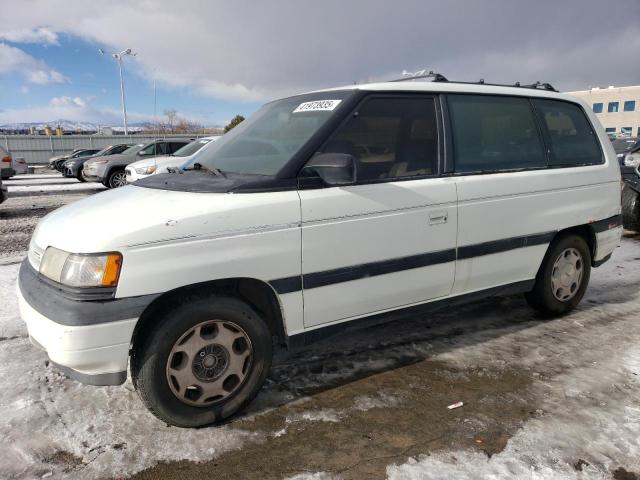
column 74, row 108
column 260, row 50
column 35, row 71
column 42, row 35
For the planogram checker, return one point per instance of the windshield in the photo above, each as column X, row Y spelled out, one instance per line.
column 264, row 143
column 191, row 148
column 133, row 148
column 103, row 151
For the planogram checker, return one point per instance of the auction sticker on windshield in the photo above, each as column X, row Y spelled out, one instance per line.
column 317, row 105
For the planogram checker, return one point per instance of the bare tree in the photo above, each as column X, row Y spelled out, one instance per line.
column 172, row 118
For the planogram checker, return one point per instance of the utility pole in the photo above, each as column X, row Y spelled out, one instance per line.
column 118, row 56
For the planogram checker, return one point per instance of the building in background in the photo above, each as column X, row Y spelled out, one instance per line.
column 617, row 108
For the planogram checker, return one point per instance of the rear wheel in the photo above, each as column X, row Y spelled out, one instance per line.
column 116, row 179
column 563, row 276
column 203, row 361
column 630, row 209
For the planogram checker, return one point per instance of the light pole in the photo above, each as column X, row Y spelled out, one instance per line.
column 118, row 56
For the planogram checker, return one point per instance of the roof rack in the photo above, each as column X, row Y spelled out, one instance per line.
column 438, row 77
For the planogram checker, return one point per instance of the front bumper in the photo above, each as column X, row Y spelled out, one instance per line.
column 92, row 354
column 94, row 173
column 88, row 340
column 3, row 193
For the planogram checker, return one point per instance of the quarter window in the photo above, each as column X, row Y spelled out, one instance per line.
column 613, row 107
column 390, row 138
column 492, row 133
column 629, row 106
column 626, row 131
column 597, row 108
column 572, row 139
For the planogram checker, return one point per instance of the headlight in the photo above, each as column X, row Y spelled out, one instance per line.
column 99, row 162
column 81, row 270
column 632, row 160
column 146, row 170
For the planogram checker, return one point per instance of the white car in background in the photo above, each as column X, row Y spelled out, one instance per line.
column 155, row 165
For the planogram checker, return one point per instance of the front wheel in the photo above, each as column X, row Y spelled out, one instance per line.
column 117, row 178
column 563, row 276
column 203, row 361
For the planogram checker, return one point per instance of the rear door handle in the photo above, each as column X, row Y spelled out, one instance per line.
column 438, row 217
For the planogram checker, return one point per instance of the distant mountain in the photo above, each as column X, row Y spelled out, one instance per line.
column 69, row 126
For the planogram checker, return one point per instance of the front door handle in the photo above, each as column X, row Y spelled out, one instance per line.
column 438, row 217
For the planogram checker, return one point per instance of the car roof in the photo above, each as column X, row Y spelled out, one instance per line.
column 453, row 87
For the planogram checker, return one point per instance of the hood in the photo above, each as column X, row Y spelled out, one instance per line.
column 133, row 216
column 127, row 216
column 115, row 158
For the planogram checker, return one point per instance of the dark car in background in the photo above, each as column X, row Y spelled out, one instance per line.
column 624, row 146
column 3, row 192
column 57, row 158
column 110, row 171
column 73, row 168
column 85, row 152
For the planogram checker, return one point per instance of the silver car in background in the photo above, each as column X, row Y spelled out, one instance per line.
column 153, row 166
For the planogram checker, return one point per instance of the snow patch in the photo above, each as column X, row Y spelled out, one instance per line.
column 313, row 476
column 382, row 400
column 326, row 415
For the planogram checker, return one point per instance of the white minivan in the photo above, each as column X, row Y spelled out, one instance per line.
column 324, row 210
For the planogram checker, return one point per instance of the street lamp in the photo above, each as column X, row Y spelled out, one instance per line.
column 118, row 56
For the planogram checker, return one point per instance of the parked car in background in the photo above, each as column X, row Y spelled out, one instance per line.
column 87, row 152
column 155, row 165
column 632, row 156
column 345, row 198
column 630, row 170
column 623, row 146
column 53, row 160
column 19, row 165
column 73, row 168
column 6, row 165
column 110, row 171
column 3, row 192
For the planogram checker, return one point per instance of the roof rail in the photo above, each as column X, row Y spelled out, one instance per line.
column 438, row 77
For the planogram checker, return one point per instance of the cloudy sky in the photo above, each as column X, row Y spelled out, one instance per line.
column 213, row 59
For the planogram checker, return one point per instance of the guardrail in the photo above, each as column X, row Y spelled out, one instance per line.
column 37, row 149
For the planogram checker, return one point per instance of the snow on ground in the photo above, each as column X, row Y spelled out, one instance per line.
column 588, row 421
column 50, row 178
column 48, row 183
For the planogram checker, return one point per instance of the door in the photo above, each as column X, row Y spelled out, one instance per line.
column 514, row 189
column 389, row 240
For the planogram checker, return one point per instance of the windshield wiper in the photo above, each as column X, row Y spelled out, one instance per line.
column 199, row 166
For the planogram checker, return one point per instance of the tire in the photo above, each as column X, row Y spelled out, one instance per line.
column 154, row 359
column 117, row 178
column 80, row 175
column 556, row 302
column 630, row 209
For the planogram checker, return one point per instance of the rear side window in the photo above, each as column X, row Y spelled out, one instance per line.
column 494, row 133
column 173, row 146
column 390, row 138
column 571, row 137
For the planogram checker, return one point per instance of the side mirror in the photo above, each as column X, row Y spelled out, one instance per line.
column 334, row 168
